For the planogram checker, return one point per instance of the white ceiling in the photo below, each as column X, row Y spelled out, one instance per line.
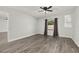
column 34, row 10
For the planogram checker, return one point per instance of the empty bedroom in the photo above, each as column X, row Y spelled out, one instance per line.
column 39, row 29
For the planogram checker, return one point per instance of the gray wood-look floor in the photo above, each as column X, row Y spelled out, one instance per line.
column 40, row 44
column 3, row 37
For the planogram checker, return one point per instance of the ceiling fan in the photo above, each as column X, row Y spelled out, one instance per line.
column 46, row 9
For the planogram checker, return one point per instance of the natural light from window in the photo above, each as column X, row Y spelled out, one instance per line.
column 68, row 21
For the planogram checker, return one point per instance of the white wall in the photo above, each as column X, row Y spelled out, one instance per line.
column 21, row 24
column 41, row 24
column 63, row 31
column 75, row 16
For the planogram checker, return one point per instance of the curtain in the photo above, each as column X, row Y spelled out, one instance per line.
column 55, row 33
column 46, row 27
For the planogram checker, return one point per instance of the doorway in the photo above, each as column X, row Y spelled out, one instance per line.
column 3, row 27
column 50, row 27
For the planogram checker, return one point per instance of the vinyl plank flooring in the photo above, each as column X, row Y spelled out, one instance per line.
column 3, row 37
column 40, row 44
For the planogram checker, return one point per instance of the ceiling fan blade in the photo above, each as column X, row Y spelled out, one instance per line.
column 50, row 10
column 49, row 7
column 41, row 7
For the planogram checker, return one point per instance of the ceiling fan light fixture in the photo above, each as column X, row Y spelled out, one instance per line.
column 46, row 8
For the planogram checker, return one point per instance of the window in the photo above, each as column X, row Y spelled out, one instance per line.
column 68, row 21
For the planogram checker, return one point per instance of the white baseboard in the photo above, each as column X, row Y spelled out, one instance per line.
column 65, row 36
column 10, row 40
